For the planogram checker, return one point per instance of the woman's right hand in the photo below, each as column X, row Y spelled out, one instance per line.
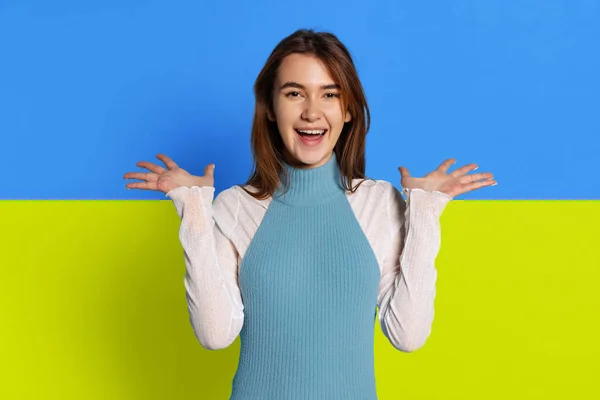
column 165, row 180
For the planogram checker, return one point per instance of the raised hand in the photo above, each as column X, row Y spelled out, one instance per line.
column 455, row 183
column 165, row 180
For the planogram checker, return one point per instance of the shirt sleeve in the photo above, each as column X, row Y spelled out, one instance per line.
column 407, row 289
column 211, row 260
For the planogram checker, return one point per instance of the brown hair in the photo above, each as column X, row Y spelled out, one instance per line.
column 266, row 143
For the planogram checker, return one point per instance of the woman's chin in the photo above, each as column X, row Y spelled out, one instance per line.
column 312, row 159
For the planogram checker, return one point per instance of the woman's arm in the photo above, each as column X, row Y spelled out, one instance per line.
column 212, row 292
column 407, row 288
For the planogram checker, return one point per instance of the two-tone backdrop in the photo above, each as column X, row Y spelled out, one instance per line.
column 92, row 302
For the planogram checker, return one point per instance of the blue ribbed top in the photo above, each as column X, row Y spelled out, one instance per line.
column 309, row 282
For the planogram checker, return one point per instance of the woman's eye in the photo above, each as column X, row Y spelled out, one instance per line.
column 327, row 95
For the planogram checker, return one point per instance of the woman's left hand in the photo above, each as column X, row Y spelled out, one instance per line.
column 455, row 183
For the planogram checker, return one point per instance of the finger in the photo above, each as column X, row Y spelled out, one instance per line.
column 157, row 169
column 146, row 176
column 142, row 185
column 168, row 162
column 404, row 172
column 446, row 164
column 476, row 177
column 209, row 170
column 464, row 170
column 477, row 185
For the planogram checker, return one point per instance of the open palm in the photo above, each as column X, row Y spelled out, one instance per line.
column 165, row 180
column 455, row 183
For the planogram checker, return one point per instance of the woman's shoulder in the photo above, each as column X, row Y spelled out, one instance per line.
column 242, row 193
column 371, row 186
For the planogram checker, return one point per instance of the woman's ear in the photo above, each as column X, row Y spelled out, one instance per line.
column 347, row 117
column 270, row 116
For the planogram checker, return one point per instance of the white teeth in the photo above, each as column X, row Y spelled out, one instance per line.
column 312, row 132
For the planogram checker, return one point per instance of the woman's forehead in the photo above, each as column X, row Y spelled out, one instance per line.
column 304, row 70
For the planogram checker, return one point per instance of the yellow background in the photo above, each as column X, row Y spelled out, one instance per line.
column 92, row 306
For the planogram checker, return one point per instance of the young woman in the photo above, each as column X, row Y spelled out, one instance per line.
column 298, row 259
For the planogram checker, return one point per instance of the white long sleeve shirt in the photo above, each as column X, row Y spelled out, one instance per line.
column 405, row 237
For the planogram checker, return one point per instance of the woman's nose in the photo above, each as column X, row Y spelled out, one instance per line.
column 311, row 111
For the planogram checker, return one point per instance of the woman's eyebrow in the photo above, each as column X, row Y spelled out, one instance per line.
column 299, row 86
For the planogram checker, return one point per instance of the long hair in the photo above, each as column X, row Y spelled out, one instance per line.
column 267, row 145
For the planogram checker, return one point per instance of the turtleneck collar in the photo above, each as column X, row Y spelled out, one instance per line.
column 307, row 187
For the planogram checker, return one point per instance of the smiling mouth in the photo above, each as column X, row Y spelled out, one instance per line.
column 311, row 135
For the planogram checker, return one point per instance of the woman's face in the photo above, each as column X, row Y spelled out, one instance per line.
column 305, row 97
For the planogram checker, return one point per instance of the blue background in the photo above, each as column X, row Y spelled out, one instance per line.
column 88, row 89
